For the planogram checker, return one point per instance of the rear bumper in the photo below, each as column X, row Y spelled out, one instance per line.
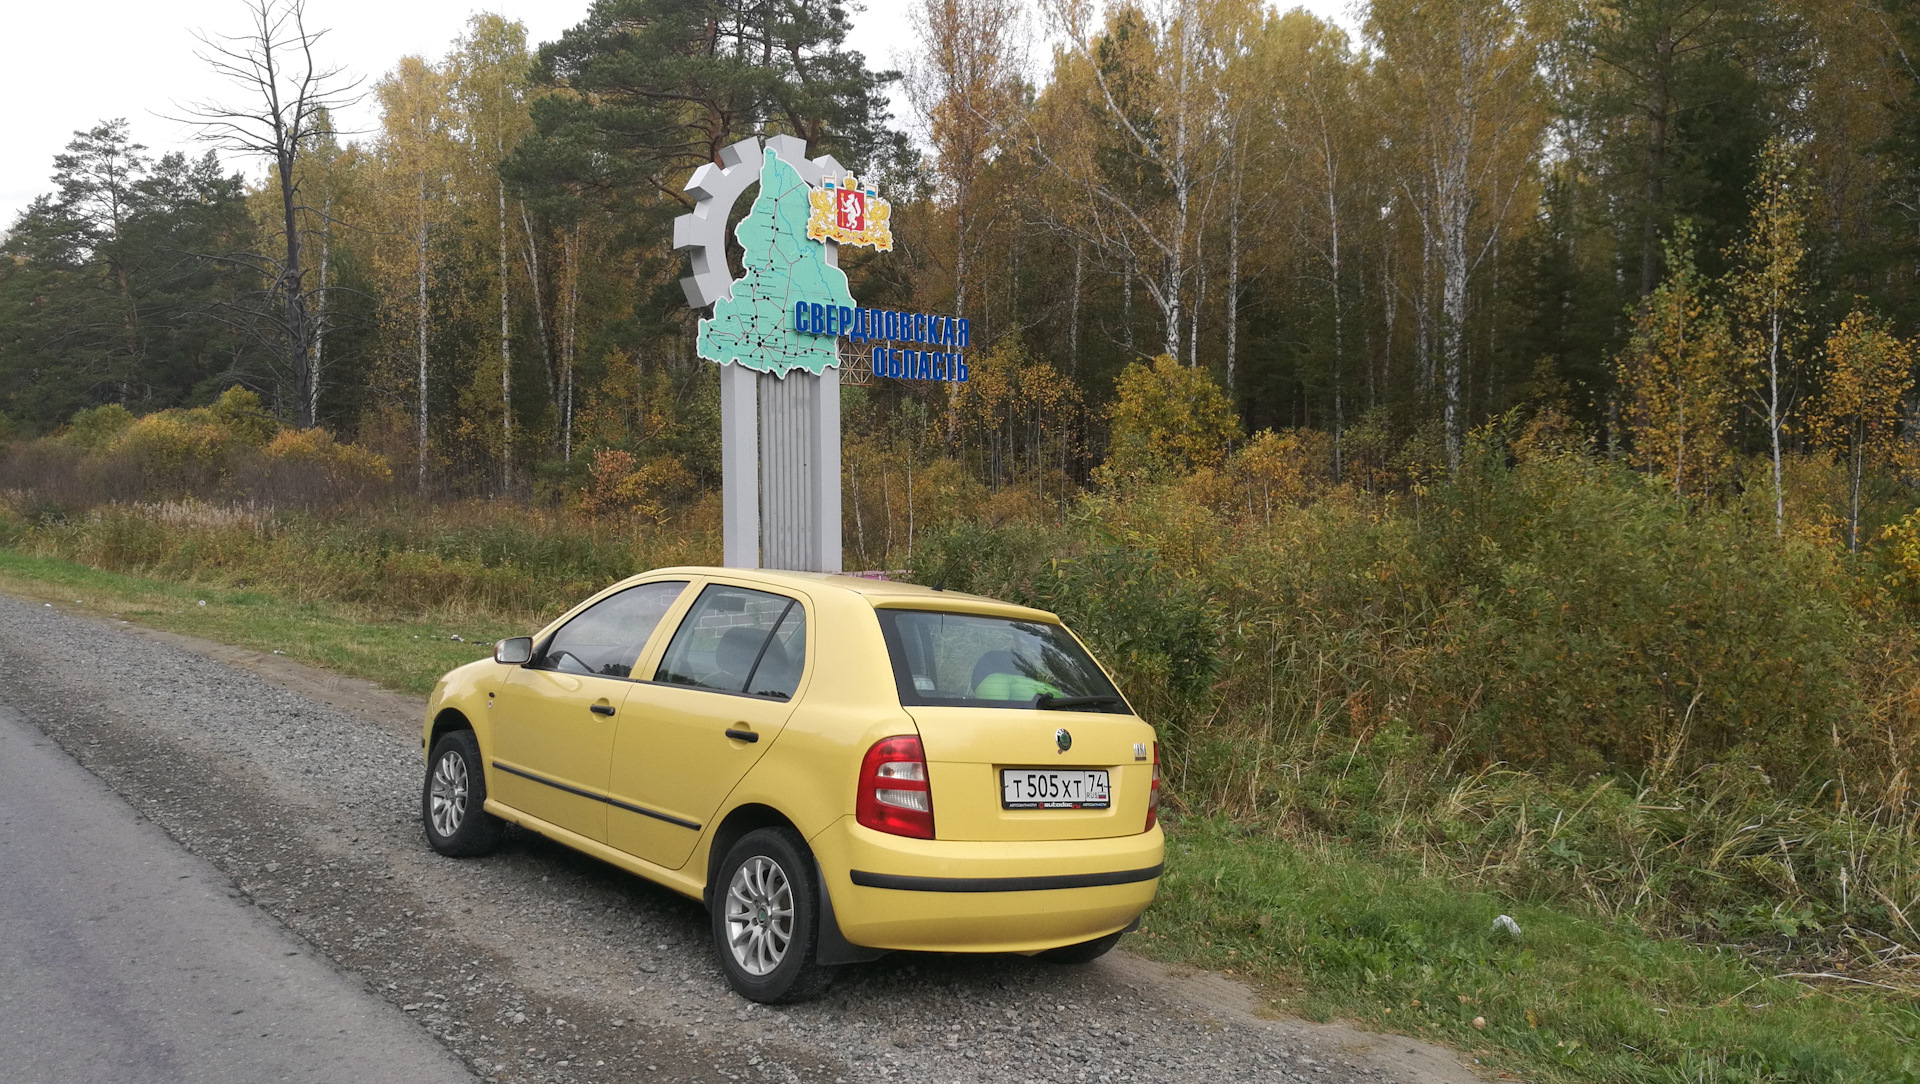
column 889, row 892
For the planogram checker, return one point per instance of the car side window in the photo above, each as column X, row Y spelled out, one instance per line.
column 726, row 639
column 606, row 638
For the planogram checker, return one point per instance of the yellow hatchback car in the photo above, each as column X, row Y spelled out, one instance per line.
column 837, row 767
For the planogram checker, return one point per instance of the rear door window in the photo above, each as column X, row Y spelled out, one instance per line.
column 967, row 660
column 738, row 640
column 605, row 639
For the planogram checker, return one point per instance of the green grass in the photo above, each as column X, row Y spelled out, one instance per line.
column 1330, row 934
column 1324, row 931
column 403, row 655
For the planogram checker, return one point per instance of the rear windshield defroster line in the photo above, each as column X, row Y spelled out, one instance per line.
column 977, row 661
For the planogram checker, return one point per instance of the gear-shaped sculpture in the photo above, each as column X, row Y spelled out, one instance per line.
column 715, row 188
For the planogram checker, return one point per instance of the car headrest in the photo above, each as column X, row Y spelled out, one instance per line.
column 737, row 649
column 993, row 662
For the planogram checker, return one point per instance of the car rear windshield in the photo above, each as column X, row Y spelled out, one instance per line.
column 966, row 660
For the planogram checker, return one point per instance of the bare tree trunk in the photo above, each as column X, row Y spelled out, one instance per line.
column 1453, row 318
column 320, row 316
column 1655, row 191
column 571, row 252
column 962, row 220
column 1339, row 312
column 1423, row 318
column 299, row 357
column 961, row 223
column 1180, row 177
column 1389, row 311
column 506, row 355
column 1073, row 311
column 1855, row 468
column 859, row 524
column 420, row 335
column 1199, row 293
column 531, row 254
column 1775, row 418
column 1233, row 272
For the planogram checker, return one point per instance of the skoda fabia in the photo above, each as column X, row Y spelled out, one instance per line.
column 837, row 767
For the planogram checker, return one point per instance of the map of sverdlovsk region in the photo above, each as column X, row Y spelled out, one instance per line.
column 753, row 324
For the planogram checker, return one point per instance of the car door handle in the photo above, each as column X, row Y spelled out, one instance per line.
column 742, row 735
column 600, row 709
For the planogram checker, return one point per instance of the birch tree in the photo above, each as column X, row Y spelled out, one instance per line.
column 965, row 87
column 1150, row 78
column 1319, row 115
column 415, row 165
column 1858, row 416
column 1460, row 79
column 489, row 76
column 1768, row 283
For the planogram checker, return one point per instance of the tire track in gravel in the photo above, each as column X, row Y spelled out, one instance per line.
column 540, row 964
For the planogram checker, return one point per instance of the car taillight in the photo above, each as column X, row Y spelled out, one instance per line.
column 1153, row 792
column 894, row 796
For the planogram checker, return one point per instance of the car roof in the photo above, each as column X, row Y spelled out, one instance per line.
column 878, row 593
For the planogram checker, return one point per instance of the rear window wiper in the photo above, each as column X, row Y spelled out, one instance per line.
column 1050, row 702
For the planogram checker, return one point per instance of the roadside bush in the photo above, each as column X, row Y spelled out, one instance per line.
column 1617, row 627
column 1168, row 419
column 308, row 468
column 621, row 483
column 92, row 430
column 169, row 455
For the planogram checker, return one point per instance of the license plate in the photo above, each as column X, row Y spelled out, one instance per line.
column 1051, row 788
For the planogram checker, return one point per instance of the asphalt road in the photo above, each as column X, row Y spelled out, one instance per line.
column 124, row 958
column 286, row 794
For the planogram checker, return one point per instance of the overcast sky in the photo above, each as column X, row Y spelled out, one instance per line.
column 70, row 65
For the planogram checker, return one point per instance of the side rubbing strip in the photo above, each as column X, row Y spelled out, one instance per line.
column 597, row 797
column 1004, row 884
column 655, row 814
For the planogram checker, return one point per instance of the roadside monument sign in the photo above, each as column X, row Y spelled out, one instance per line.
column 777, row 333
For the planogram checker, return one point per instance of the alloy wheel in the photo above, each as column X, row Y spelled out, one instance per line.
column 447, row 793
column 759, row 915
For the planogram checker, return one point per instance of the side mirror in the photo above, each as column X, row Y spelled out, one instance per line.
column 516, row 651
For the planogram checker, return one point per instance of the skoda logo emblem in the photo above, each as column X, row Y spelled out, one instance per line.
column 1063, row 739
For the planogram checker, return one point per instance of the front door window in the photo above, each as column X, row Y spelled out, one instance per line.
column 606, row 638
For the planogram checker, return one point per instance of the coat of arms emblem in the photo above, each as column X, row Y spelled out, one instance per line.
column 850, row 213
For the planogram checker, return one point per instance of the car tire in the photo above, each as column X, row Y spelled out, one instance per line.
column 1083, row 953
column 453, row 799
column 765, row 907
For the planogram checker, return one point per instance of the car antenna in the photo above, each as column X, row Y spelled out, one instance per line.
column 940, row 581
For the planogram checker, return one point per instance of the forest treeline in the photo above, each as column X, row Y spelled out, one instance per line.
column 1690, row 228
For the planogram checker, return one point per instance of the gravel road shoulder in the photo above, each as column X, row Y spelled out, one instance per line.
column 538, row 964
